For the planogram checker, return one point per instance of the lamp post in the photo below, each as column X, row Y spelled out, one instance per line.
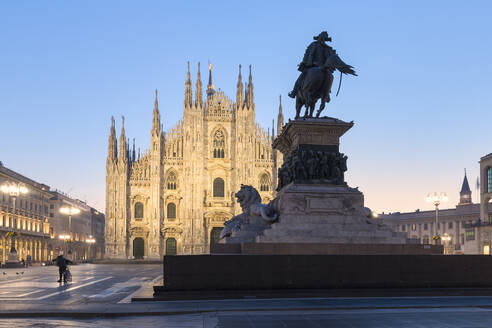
column 436, row 199
column 446, row 239
column 14, row 190
column 69, row 210
column 90, row 241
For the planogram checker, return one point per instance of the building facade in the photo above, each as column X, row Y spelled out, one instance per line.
column 24, row 225
column 175, row 198
column 31, row 221
column 84, row 228
column 468, row 226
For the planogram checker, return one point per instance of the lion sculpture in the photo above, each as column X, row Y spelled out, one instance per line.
column 255, row 214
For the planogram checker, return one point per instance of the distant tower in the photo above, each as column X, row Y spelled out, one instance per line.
column 465, row 193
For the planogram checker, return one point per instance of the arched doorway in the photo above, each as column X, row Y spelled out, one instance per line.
column 170, row 246
column 138, row 248
column 215, row 235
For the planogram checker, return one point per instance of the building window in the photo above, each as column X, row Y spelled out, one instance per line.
column 218, row 187
column 171, row 211
column 219, row 144
column 139, row 211
column 470, row 235
column 172, row 181
column 414, row 227
column 426, row 240
column 489, row 179
column 264, row 182
column 171, row 246
column 426, row 226
column 403, row 227
column 450, row 225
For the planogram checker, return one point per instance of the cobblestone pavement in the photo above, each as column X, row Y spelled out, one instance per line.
column 103, row 290
column 91, row 283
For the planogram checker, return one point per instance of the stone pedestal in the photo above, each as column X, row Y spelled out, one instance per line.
column 314, row 203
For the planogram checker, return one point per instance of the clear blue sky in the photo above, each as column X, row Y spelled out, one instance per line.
column 422, row 103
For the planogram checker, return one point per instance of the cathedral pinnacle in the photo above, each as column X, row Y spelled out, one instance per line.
column 250, row 93
column 156, row 117
column 198, row 89
column 123, row 145
column 210, row 87
column 188, row 97
column 280, row 117
column 239, row 92
column 112, row 146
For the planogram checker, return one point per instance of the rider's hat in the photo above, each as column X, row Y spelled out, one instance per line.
column 323, row 36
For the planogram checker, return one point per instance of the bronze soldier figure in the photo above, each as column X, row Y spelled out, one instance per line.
column 316, row 79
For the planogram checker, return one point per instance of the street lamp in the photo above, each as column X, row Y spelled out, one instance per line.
column 14, row 190
column 436, row 199
column 446, row 238
column 69, row 210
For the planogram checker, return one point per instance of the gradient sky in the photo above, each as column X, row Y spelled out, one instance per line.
column 422, row 103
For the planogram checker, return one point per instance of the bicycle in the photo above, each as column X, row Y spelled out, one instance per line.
column 67, row 275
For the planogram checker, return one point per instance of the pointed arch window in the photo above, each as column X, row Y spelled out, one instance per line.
column 265, row 182
column 171, row 211
column 218, row 187
column 172, row 181
column 138, row 211
column 219, row 144
column 489, row 179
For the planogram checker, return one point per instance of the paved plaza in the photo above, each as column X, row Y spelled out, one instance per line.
column 100, row 296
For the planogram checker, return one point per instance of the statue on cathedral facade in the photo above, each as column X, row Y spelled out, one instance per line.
column 316, row 79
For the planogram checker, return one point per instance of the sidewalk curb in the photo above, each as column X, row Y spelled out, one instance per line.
column 184, row 312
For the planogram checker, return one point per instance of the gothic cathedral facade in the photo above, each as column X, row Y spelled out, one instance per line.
column 175, row 198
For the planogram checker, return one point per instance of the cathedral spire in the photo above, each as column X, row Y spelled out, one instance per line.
column 239, row 92
column 112, row 145
column 156, row 117
column 280, row 117
column 465, row 193
column 273, row 129
column 250, row 93
column 123, row 145
column 198, row 89
column 188, row 96
column 133, row 151
column 210, row 87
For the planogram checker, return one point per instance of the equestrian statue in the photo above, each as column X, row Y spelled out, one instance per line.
column 317, row 67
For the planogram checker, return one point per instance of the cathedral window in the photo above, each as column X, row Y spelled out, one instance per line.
column 219, row 144
column 218, row 187
column 171, row 211
column 139, row 210
column 489, row 179
column 264, row 182
column 171, row 181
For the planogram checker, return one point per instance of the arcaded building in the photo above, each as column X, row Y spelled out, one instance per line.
column 176, row 196
column 468, row 225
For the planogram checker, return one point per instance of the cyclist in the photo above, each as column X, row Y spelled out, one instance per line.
column 62, row 263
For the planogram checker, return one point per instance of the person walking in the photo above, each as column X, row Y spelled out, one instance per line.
column 28, row 258
column 62, row 263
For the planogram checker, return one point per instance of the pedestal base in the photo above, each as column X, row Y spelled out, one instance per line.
column 320, row 213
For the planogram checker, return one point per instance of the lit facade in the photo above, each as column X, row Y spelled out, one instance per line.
column 175, row 197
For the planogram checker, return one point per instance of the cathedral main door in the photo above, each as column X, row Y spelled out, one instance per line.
column 215, row 235
column 138, row 248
